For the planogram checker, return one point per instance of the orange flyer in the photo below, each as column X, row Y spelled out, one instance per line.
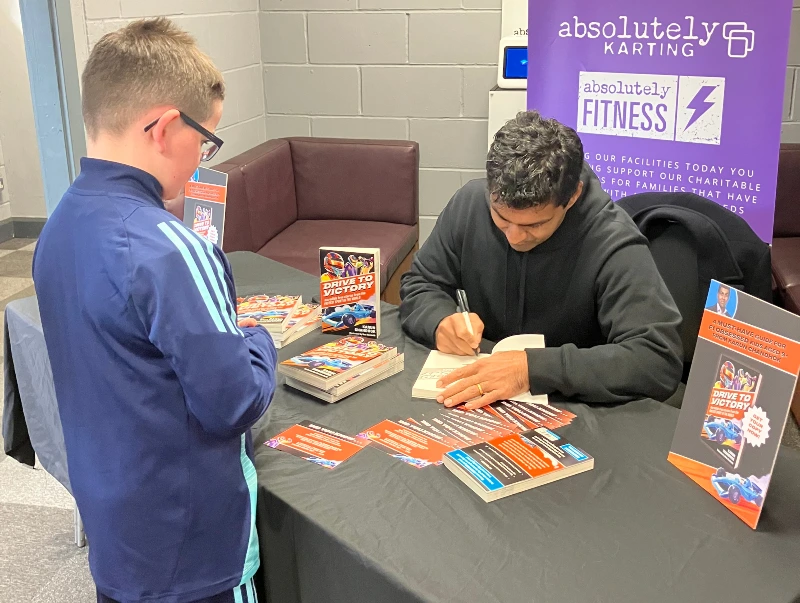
column 405, row 444
column 321, row 445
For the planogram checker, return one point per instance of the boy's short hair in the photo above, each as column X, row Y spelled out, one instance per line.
column 148, row 63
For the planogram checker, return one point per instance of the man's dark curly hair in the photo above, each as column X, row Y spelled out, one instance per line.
column 534, row 161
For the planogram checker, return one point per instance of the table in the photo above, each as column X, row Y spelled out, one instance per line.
column 634, row 529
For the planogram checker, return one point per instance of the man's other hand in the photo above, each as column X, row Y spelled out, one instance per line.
column 452, row 335
column 501, row 376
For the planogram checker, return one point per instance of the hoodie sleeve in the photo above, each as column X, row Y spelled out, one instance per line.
column 181, row 295
column 644, row 355
column 428, row 289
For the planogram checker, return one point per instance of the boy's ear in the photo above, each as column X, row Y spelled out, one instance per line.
column 158, row 132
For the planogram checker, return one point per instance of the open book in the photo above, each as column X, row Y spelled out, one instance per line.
column 438, row 365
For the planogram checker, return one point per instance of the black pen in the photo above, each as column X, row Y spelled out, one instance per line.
column 463, row 308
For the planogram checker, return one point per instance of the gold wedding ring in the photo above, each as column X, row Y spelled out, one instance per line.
column 480, row 389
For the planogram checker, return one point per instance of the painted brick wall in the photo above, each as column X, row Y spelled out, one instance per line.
column 228, row 30
column 790, row 132
column 407, row 69
column 397, row 69
column 5, row 199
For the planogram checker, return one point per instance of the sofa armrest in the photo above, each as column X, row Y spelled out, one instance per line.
column 261, row 199
column 346, row 179
column 787, row 197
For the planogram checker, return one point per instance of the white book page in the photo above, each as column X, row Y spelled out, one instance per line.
column 438, row 365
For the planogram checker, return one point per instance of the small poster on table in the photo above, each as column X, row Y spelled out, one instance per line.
column 204, row 204
column 737, row 399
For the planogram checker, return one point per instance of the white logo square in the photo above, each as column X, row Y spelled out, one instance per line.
column 700, row 107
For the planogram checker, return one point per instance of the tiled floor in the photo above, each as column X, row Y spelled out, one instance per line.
column 39, row 562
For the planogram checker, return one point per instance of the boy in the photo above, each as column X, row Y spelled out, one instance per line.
column 157, row 386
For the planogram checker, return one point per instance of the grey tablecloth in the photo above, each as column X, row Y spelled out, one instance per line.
column 30, row 415
column 632, row 530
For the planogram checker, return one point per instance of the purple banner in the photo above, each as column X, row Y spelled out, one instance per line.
column 684, row 95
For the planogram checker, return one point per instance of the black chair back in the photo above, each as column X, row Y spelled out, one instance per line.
column 694, row 240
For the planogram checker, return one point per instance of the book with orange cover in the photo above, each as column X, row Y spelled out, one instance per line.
column 333, row 363
column 349, row 290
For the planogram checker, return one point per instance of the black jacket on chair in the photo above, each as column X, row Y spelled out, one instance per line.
column 694, row 240
column 727, row 248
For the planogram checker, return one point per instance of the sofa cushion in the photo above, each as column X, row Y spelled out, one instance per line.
column 298, row 246
column 340, row 179
column 786, row 271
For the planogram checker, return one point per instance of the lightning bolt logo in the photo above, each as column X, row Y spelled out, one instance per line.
column 699, row 104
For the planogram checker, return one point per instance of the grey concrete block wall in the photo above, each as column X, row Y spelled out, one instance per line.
column 230, row 32
column 394, row 69
column 790, row 130
column 5, row 199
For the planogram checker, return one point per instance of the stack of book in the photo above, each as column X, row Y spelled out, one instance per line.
column 337, row 369
column 285, row 316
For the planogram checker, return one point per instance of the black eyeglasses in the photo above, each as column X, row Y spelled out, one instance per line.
column 211, row 145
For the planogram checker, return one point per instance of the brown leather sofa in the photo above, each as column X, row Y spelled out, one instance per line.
column 290, row 196
column 786, row 238
column 786, row 233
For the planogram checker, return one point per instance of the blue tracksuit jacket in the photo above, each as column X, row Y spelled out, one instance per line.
column 157, row 388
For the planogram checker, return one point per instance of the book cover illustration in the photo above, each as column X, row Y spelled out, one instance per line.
column 202, row 222
column 737, row 399
column 302, row 313
column 270, row 311
column 349, row 290
column 338, row 357
column 734, row 392
column 204, row 204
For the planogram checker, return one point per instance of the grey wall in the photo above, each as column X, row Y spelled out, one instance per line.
column 19, row 155
column 790, row 132
column 228, row 30
column 408, row 69
column 398, row 69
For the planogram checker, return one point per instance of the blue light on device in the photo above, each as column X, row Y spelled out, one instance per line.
column 515, row 63
column 512, row 63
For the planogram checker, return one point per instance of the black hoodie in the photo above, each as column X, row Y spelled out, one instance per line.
column 592, row 289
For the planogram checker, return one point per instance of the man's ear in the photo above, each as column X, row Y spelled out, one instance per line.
column 576, row 195
column 159, row 130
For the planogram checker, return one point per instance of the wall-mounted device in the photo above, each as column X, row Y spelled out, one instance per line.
column 512, row 72
column 514, row 18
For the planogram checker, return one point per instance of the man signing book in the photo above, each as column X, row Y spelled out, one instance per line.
column 539, row 247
